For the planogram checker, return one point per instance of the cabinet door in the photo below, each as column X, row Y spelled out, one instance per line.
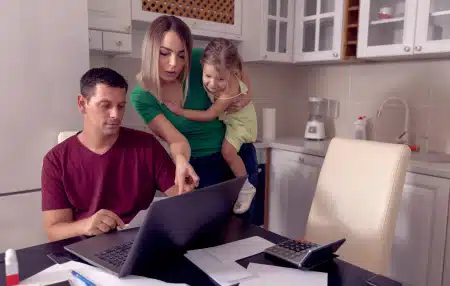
column 293, row 181
column 191, row 12
column 277, row 35
column 417, row 253
column 384, row 34
column 318, row 30
column 116, row 42
column 95, row 40
column 433, row 27
column 110, row 15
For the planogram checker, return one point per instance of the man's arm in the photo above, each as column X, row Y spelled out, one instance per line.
column 57, row 212
column 59, row 224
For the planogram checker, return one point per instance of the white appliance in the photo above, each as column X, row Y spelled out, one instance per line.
column 315, row 127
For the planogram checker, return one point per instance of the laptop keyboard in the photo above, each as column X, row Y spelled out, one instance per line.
column 116, row 255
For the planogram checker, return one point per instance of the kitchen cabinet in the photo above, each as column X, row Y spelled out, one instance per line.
column 318, row 30
column 267, row 30
column 433, row 27
column 116, row 42
column 420, row 250
column 95, row 40
column 110, row 15
column 413, row 28
column 420, row 235
column 293, row 178
column 109, row 23
column 205, row 19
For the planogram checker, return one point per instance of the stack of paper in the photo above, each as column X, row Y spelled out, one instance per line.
column 219, row 262
column 62, row 272
column 274, row 275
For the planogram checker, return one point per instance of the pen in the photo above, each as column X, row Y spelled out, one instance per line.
column 82, row 278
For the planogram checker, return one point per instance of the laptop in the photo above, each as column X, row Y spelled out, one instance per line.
column 170, row 227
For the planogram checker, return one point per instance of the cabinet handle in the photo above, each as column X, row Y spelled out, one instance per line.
column 119, row 43
column 418, row 48
column 407, row 49
column 128, row 29
column 335, row 54
column 265, row 57
column 301, row 159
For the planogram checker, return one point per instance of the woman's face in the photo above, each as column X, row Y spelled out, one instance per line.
column 171, row 57
column 213, row 79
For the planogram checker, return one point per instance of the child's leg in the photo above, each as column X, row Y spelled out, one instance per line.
column 231, row 156
column 248, row 191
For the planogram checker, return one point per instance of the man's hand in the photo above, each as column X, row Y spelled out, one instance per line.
column 174, row 108
column 185, row 177
column 102, row 222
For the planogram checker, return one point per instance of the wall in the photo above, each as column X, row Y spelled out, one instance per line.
column 362, row 87
column 44, row 54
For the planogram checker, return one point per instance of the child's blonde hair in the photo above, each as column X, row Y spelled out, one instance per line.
column 222, row 54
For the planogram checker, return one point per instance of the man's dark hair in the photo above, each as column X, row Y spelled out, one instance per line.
column 103, row 75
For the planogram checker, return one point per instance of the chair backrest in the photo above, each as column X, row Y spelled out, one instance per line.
column 357, row 197
column 65, row 135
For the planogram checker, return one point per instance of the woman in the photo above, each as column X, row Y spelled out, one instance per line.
column 171, row 73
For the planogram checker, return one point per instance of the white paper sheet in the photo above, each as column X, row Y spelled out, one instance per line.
column 239, row 249
column 275, row 275
column 223, row 273
column 61, row 272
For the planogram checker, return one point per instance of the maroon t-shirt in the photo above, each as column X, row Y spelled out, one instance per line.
column 122, row 180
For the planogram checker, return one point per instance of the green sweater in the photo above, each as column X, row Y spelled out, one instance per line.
column 205, row 138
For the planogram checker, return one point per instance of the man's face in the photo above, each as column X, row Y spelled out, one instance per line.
column 104, row 109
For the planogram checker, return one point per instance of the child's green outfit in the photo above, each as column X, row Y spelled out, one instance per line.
column 241, row 126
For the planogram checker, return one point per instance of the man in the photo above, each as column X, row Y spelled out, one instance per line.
column 99, row 179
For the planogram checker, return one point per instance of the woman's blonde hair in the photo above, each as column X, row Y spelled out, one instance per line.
column 148, row 77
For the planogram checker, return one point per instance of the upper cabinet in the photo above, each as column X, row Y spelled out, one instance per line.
column 433, row 27
column 267, row 29
column 110, row 15
column 318, row 30
column 109, row 24
column 204, row 18
column 403, row 27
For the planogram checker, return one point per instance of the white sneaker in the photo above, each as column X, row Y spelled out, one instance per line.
column 245, row 198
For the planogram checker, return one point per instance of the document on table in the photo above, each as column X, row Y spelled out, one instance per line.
column 236, row 250
column 275, row 275
column 223, row 273
column 62, row 272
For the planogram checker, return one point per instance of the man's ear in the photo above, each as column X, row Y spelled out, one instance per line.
column 82, row 102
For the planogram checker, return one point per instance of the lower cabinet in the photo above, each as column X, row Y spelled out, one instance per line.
column 418, row 250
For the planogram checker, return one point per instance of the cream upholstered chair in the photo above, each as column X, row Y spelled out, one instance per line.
column 357, row 197
column 65, row 135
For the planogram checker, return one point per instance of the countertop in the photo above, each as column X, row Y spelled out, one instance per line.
column 319, row 148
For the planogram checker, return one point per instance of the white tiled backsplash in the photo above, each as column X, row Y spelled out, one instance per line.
column 361, row 88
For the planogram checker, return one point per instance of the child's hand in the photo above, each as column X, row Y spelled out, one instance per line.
column 174, row 108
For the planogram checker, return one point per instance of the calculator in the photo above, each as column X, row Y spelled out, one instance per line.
column 304, row 255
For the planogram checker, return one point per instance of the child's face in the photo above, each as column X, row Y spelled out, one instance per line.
column 215, row 80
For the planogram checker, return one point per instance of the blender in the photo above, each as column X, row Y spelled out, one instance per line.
column 315, row 127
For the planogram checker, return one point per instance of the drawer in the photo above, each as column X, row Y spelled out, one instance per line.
column 95, row 40
column 116, row 42
column 280, row 156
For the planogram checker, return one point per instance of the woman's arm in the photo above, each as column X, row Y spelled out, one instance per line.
column 185, row 178
column 211, row 113
column 177, row 142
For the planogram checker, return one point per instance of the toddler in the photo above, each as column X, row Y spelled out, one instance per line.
column 222, row 80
